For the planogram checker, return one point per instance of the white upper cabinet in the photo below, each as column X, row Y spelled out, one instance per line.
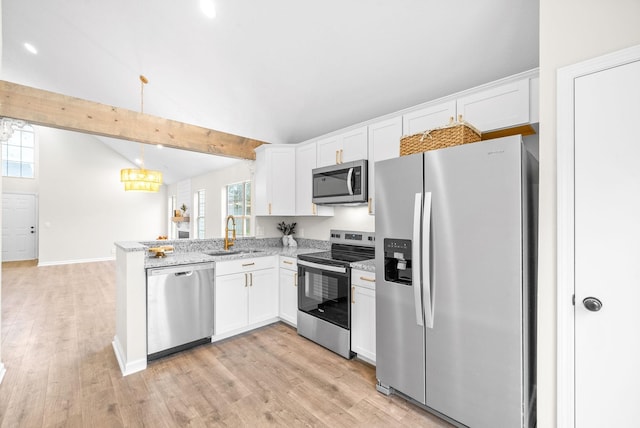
column 498, row 107
column 354, row 145
column 384, row 143
column 534, row 100
column 274, row 187
column 427, row 118
column 341, row 148
column 305, row 163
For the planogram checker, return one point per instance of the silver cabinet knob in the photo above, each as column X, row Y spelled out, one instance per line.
column 592, row 304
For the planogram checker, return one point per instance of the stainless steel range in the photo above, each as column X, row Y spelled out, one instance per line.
column 324, row 289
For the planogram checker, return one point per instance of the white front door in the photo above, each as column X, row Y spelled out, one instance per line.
column 18, row 227
column 607, row 247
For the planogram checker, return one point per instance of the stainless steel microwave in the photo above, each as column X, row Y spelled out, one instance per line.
column 345, row 183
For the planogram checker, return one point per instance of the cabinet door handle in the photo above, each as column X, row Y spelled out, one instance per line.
column 245, row 280
column 364, row 278
column 313, row 209
column 287, row 262
column 248, row 264
column 269, row 208
column 341, row 160
column 353, row 295
column 295, row 279
column 337, row 157
column 370, row 204
column 251, row 279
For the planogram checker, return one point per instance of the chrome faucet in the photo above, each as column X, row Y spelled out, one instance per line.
column 229, row 242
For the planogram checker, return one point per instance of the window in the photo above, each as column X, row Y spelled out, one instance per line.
column 172, row 231
column 200, row 212
column 239, row 206
column 18, row 153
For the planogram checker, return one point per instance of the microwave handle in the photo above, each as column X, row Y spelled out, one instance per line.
column 349, row 181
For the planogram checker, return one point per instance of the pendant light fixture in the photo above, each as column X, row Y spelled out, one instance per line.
column 141, row 179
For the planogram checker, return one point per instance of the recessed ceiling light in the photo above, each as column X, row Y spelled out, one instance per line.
column 159, row 146
column 208, row 8
column 28, row 46
column 138, row 161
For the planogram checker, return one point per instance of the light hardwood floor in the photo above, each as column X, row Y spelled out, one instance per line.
column 57, row 326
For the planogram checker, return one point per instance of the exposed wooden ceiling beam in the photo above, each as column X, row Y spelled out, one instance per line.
column 55, row 110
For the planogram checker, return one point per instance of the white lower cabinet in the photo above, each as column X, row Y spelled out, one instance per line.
column 231, row 303
column 246, row 294
column 289, row 290
column 363, row 314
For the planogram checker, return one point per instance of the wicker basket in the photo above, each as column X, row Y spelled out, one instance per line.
column 453, row 134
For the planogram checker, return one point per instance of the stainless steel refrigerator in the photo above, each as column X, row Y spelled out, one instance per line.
column 455, row 281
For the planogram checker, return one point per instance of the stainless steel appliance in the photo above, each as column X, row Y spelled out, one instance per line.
column 324, row 289
column 345, row 183
column 179, row 308
column 455, row 298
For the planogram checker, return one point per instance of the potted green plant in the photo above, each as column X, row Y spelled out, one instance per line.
column 183, row 208
column 287, row 230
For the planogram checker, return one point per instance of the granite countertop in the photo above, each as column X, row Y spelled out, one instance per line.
column 186, row 251
column 176, row 258
column 366, row 265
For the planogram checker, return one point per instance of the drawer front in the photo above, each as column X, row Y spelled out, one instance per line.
column 288, row 263
column 362, row 278
column 244, row 265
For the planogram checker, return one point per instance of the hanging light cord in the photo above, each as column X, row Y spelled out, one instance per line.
column 143, row 81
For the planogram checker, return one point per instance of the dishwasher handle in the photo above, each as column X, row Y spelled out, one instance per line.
column 180, row 270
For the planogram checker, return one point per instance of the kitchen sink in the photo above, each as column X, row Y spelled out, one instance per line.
column 230, row 252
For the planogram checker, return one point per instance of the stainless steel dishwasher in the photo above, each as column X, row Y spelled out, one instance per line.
column 179, row 308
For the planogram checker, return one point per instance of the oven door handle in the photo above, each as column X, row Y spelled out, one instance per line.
column 330, row 268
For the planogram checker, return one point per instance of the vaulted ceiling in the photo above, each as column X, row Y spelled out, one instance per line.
column 280, row 71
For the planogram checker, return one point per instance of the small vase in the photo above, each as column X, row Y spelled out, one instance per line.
column 292, row 242
column 285, row 241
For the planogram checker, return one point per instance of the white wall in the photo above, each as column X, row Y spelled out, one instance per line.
column 83, row 208
column 570, row 31
column 214, row 184
column 346, row 218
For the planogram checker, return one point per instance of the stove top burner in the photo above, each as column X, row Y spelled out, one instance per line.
column 346, row 247
column 337, row 256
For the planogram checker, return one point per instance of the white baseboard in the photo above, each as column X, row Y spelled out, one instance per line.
column 3, row 370
column 237, row 331
column 71, row 262
column 366, row 359
column 127, row 368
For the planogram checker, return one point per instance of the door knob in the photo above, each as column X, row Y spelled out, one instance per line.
column 592, row 304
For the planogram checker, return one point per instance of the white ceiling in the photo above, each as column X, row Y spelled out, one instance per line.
column 280, row 71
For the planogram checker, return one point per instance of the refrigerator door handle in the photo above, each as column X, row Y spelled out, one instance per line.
column 426, row 261
column 415, row 255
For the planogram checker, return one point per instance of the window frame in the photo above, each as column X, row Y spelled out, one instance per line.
column 243, row 221
column 200, row 212
column 20, row 148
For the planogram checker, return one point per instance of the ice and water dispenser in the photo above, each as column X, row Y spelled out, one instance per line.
column 397, row 261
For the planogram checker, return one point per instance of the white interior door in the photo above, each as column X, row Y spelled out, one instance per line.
column 607, row 247
column 19, row 230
